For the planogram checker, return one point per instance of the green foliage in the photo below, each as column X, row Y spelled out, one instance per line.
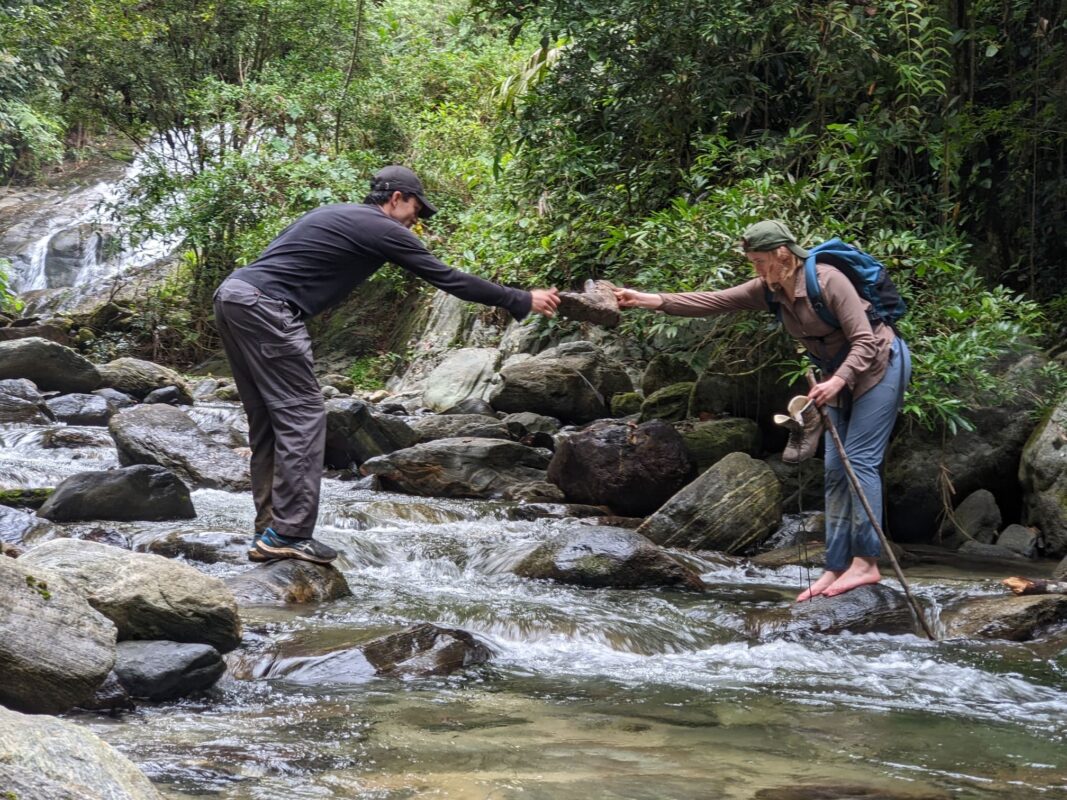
column 370, row 372
column 9, row 301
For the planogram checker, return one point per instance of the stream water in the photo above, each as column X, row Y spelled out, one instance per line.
column 590, row 694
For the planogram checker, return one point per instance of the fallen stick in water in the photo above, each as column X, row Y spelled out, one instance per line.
column 1027, row 586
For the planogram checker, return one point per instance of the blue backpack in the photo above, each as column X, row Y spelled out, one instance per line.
column 865, row 272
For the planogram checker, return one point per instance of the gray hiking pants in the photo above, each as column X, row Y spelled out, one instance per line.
column 270, row 353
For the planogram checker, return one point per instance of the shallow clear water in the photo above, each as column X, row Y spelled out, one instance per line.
column 590, row 694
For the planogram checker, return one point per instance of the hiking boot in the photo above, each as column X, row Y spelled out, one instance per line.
column 273, row 545
column 804, row 423
column 254, row 554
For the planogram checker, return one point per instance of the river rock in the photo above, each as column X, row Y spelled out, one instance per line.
column 733, row 506
column 1060, row 573
column 110, row 696
column 708, row 442
column 354, row 433
column 63, row 438
column 115, row 399
column 146, row 596
column 977, row 552
column 977, row 519
column 80, row 409
column 670, row 404
column 45, row 758
column 632, row 469
column 463, row 374
column 140, row 378
column 342, row 383
column 599, row 557
column 451, row 426
column 468, row 467
column 803, row 487
column 574, row 382
column 167, row 670
column 843, row 791
column 171, row 395
column 419, row 651
column 24, row 498
column 1015, row 618
column 753, row 395
column 67, row 252
column 21, row 402
column 596, row 303
column 625, row 404
column 664, row 370
column 1043, row 475
column 875, row 608
column 167, row 437
column 207, row 547
column 472, row 405
column 1019, row 539
column 52, row 367
column 524, row 422
column 289, row 581
column 54, row 648
column 17, row 526
column 141, row 492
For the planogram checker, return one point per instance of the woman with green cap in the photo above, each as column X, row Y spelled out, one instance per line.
column 866, row 368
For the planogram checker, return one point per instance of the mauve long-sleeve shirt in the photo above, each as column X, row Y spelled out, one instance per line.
column 868, row 349
column 325, row 254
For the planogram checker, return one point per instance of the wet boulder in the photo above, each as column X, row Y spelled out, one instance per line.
column 976, row 519
column 1043, row 475
column 710, row 441
column 110, row 696
column 1015, row 618
column 451, row 426
column 289, row 581
column 670, row 404
column 21, row 402
column 596, row 303
column 146, row 596
column 419, row 651
column 632, row 469
column 733, row 506
column 140, row 492
column 24, row 498
column 18, row 525
column 463, row 374
column 52, row 367
column 534, row 492
column 1019, row 539
column 171, row 395
column 573, row 382
column 1060, row 573
column 115, row 399
column 468, row 467
column 354, row 433
column 598, row 557
column 63, row 438
column 167, row 437
column 665, row 370
column 207, row 547
column 46, row 758
column 803, row 487
column 140, row 378
column 626, row 403
column 525, row 422
column 80, row 409
column 167, row 670
column 55, row 650
column 472, row 405
column 876, row 608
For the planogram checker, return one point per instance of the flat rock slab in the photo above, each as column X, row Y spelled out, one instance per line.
column 289, row 581
column 875, row 608
column 1015, row 618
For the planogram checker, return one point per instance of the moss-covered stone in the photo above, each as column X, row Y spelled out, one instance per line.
column 25, row 498
column 670, row 404
column 664, row 370
column 708, row 442
column 625, row 404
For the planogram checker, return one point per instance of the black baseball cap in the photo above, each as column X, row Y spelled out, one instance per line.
column 396, row 178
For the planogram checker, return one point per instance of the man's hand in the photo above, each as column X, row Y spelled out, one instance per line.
column 631, row 298
column 544, row 301
column 823, row 393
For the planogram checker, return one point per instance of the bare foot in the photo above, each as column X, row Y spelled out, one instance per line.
column 819, row 587
column 861, row 572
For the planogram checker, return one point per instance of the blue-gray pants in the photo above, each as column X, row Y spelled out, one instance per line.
column 864, row 430
column 270, row 353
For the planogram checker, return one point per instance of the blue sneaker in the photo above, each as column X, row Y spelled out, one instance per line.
column 272, row 544
column 253, row 553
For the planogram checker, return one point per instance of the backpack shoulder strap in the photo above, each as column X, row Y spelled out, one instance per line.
column 811, row 279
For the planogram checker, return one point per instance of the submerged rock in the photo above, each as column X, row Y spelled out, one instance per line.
column 146, row 596
column 167, row 670
column 55, row 650
column 599, row 557
column 63, row 438
column 165, row 436
column 873, row 608
column 289, row 581
column 44, row 758
column 52, row 367
column 1015, row 618
column 632, row 469
column 140, row 492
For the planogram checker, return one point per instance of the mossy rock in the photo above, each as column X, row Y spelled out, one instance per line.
column 665, row 370
column 708, row 442
column 670, row 404
column 25, row 498
column 625, row 404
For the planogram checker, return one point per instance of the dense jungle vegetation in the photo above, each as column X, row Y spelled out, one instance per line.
column 565, row 140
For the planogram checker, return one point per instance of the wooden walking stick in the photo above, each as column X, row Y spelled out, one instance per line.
column 858, row 491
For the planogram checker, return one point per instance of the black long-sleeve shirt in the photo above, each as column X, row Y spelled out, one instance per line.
column 325, row 254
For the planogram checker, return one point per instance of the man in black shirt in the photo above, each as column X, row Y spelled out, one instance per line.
column 260, row 310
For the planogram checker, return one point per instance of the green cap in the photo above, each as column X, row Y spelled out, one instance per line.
column 771, row 234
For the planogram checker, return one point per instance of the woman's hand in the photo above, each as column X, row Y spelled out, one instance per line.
column 544, row 301
column 631, row 298
column 823, row 393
